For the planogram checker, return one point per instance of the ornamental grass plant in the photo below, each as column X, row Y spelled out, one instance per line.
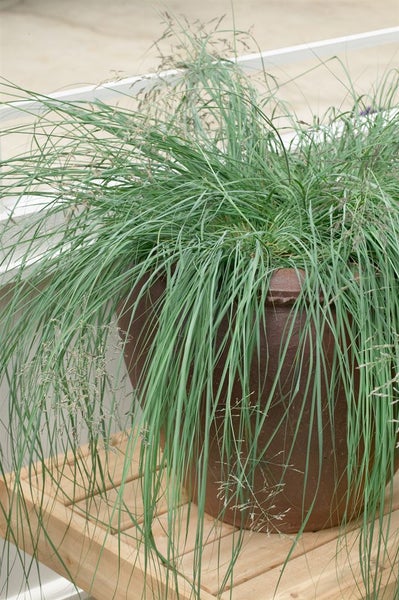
column 212, row 185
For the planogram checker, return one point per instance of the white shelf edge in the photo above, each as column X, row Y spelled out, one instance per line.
column 279, row 56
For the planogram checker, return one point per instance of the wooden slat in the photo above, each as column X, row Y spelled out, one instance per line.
column 92, row 541
column 77, row 549
column 261, row 553
column 119, row 508
column 184, row 522
column 187, row 522
column 67, row 476
column 329, row 572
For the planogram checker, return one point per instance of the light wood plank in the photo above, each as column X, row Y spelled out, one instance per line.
column 183, row 521
column 67, row 476
column 261, row 552
column 121, row 507
column 92, row 541
column 77, row 549
column 330, row 572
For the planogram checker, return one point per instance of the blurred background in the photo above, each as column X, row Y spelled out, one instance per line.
column 54, row 45
column 49, row 45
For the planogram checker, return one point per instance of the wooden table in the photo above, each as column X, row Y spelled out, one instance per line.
column 87, row 536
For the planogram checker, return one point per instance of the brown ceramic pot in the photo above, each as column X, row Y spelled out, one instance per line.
column 279, row 497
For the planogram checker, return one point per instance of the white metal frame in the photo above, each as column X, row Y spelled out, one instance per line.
column 254, row 62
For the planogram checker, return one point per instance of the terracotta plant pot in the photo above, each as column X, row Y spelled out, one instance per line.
column 279, row 497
